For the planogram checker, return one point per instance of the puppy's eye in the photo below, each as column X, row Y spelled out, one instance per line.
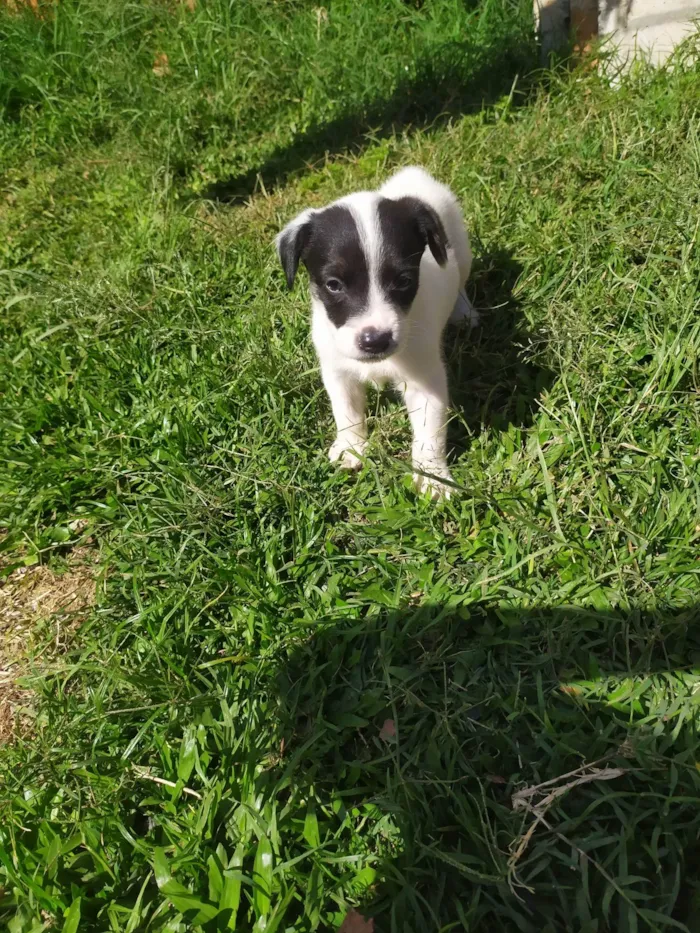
column 403, row 282
column 334, row 286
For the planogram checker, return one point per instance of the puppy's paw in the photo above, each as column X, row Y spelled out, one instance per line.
column 433, row 485
column 347, row 457
column 465, row 311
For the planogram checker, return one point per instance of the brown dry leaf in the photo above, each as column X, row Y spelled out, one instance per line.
column 321, row 17
column 356, row 923
column 496, row 779
column 14, row 6
column 191, row 5
column 571, row 690
column 388, row 730
column 161, row 65
column 627, row 749
column 28, row 596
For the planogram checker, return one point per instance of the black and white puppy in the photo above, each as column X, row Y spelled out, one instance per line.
column 387, row 271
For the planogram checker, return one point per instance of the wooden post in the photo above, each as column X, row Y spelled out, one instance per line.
column 560, row 20
column 583, row 21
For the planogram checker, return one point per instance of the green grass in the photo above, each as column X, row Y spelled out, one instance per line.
column 261, row 615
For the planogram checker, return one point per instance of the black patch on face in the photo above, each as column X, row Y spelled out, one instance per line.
column 337, row 264
column 407, row 226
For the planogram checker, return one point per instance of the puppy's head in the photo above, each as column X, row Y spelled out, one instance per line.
column 363, row 256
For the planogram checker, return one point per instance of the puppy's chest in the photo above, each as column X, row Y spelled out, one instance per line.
column 379, row 375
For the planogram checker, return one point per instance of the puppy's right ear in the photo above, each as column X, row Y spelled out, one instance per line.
column 291, row 243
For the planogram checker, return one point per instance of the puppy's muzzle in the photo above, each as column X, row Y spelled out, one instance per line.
column 375, row 343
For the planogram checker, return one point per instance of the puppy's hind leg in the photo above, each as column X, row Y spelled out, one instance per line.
column 464, row 310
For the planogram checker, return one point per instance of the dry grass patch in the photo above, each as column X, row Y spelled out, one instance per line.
column 30, row 596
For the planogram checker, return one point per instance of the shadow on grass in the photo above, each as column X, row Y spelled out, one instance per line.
column 493, row 383
column 420, row 725
column 459, row 77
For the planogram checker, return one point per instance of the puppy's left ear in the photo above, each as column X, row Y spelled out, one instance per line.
column 432, row 230
column 291, row 243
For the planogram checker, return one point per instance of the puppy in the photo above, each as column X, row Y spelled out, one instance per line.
column 387, row 272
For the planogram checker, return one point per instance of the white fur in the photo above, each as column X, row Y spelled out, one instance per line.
column 416, row 367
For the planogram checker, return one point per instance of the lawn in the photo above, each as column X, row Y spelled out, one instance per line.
column 293, row 691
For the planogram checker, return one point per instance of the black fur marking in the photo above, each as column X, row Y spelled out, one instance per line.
column 290, row 246
column 334, row 255
column 407, row 226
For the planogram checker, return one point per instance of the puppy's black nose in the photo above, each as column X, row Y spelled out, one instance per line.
column 372, row 340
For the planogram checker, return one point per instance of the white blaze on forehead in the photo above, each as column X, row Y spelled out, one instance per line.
column 363, row 206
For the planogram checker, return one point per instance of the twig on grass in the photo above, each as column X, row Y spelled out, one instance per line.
column 521, row 800
column 145, row 774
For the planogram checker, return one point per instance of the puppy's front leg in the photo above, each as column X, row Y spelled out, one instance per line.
column 348, row 399
column 426, row 403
